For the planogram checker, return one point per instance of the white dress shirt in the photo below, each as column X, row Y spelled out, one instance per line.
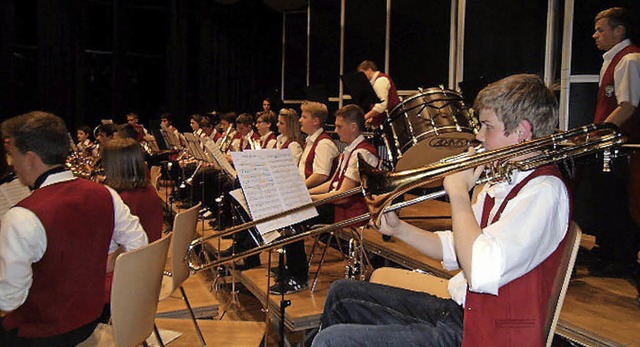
column 381, row 85
column 626, row 75
column 271, row 144
column 326, row 151
column 530, row 228
column 294, row 146
column 351, row 168
column 23, row 241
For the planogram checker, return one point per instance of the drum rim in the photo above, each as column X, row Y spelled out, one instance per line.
column 428, row 91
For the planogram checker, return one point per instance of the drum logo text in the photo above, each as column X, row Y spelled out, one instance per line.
column 448, row 142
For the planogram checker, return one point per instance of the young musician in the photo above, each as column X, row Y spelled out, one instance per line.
column 84, row 139
column 290, row 135
column 316, row 166
column 53, row 244
column 349, row 126
column 266, row 124
column 508, row 242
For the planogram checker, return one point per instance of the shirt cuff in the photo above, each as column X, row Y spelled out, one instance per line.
column 486, row 265
column 449, row 258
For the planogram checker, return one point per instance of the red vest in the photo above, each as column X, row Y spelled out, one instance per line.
column 146, row 204
column 354, row 205
column 244, row 144
column 607, row 101
column 308, row 164
column 393, row 97
column 263, row 144
column 517, row 316
column 68, row 282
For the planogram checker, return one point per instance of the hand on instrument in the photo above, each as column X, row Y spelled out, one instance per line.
column 463, row 180
column 388, row 223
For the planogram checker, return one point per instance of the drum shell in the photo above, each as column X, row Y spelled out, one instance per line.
column 427, row 127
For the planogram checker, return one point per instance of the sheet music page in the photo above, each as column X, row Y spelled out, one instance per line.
column 194, row 146
column 239, row 197
column 271, row 184
column 10, row 194
column 213, row 149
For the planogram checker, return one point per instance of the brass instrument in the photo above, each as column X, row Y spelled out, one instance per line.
column 380, row 188
column 226, row 139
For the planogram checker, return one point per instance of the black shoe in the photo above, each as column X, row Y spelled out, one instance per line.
column 277, row 274
column 289, row 285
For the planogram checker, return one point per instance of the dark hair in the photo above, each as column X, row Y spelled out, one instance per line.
column 230, row 117
column 196, row 117
column 42, row 133
column 269, row 117
column 352, row 114
column 124, row 165
column 245, row 118
column 128, row 131
column 618, row 16
column 366, row 65
column 107, row 129
column 168, row 116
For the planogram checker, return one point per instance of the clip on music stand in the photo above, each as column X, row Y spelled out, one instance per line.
column 360, row 89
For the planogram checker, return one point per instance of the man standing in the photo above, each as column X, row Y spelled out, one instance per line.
column 601, row 197
column 54, row 244
column 385, row 90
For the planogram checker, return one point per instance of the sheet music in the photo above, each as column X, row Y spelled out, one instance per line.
column 271, row 184
column 211, row 148
column 193, row 144
column 239, row 197
column 10, row 194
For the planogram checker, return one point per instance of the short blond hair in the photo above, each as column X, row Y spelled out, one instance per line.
column 521, row 97
column 317, row 110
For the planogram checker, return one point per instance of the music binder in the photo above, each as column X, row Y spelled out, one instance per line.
column 358, row 86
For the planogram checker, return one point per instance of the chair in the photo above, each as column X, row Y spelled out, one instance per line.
column 136, row 285
column 437, row 286
column 184, row 231
column 561, row 281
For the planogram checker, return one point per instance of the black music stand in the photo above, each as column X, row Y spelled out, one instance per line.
column 358, row 86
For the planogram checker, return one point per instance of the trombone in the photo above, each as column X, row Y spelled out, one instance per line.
column 380, row 187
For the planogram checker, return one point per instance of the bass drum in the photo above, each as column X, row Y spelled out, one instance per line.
column 427, row 127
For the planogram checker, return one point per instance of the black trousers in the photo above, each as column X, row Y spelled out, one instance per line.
column 69, row 339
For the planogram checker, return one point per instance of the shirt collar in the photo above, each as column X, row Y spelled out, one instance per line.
column 500, row 190
column 264, row 137
column 375, row 75
column 58, row 178
column 313, row 137
column 616, row 49
column 354, row 144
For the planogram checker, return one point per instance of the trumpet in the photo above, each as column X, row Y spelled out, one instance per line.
column 380, row 187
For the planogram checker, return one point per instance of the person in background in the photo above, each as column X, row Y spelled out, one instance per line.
column 290, row 135
column 266, row 124
column 384, row 88
column 46, row 251
column 602, row 198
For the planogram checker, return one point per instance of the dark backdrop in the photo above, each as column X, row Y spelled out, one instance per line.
column 91, row 59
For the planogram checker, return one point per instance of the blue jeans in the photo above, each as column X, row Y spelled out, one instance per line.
column 369, row 314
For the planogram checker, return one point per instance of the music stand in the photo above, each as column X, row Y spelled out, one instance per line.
column 360, row 89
